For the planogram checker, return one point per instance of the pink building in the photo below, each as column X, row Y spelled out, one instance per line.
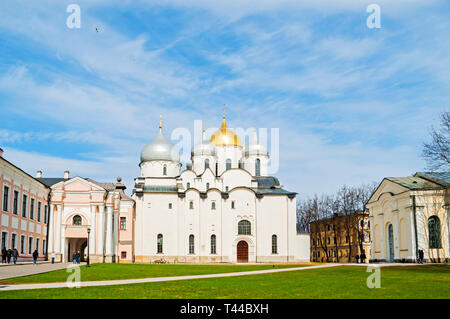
column 24, row 211
column 85, row 214
column 64, row 216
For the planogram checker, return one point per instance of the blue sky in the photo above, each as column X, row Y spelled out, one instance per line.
column 352, row 104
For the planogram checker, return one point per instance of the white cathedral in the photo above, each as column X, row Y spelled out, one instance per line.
column 223, row 208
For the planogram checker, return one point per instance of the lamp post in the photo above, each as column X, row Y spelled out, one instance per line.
column 88, row 231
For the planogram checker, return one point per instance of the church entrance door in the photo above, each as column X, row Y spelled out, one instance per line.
column 242, row 252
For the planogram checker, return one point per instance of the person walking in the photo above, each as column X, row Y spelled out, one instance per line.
column 8, row 255
column 4, row 253
column 420, row 256
column 357, row 258
column 35, row 256
column 78, row 257
column 15, row 255
column 363, row 258
column 74, row 258
column 53, row 257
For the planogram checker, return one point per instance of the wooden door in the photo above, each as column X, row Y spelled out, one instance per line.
column 242, row 252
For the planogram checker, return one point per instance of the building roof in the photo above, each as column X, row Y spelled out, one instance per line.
column 267, row 181
column 8, row 162
column 50, row 181
column 442, row 178
column 415, row 183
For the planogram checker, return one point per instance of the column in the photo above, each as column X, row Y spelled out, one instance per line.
column 116, row 234
column 92, row 248
column 57, row 239
column 63, row 244
column 101, row 230
column 51, row 229
column 109, row 230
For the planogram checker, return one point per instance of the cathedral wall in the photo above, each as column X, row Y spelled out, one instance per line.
column 272, row 219
column 156, row 168
column 228, row 152
column 153, row 217
column 236, row 178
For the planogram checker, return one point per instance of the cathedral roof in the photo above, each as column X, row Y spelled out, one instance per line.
column 205, row 147
column 160, row 149
column 225, row 136
column 255, row 147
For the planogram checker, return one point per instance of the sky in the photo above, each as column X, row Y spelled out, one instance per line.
column 352, row 104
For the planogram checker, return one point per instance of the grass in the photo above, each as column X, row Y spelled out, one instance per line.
column 427, row 282
column 131, row 271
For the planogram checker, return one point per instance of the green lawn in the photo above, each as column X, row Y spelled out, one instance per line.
column 339, row 282
column 129, row 271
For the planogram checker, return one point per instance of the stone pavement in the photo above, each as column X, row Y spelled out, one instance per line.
column 28, row 268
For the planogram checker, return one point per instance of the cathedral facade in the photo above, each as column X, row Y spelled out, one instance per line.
column 223, row 208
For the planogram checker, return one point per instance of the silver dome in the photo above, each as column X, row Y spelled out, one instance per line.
column 204, row 148
column 160, row 149
column 255, row 148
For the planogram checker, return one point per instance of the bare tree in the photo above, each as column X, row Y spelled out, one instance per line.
column 318, row 209
column 362, row 195
column 437, row 152
column 347, row 203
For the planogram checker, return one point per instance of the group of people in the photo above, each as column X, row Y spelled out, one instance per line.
column 7, row 254
column 361, row 258
column 76, row 257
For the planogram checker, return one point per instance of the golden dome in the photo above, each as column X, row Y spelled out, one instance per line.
column 225, row 136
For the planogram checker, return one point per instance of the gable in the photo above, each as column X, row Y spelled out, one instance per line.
column 386, row 186
column 78, row 184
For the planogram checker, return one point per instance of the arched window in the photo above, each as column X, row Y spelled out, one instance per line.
column 160, row 243
column 191, row 244
column 274, row 244
column 434, row 232
column 76, row 220
column 213, row 205
column 258, row 167
column 206, row 163
column 213, row 244
column 191, row 205
column 228, row 165
column 188, row 185
column 165, row 170
column 244, row 228
column 207, row 186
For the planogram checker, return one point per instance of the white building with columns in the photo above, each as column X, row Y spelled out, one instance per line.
column 223, row 208
column 83, row 210
column 408, row 215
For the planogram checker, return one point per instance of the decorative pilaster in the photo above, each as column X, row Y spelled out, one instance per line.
column 51, row 230
column 396, row 236
column 383, row 241
column 109, row 229
column 57, row 239
column 101, row 231
column 92, row 248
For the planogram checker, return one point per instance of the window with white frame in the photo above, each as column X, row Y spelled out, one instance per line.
column 5, row 198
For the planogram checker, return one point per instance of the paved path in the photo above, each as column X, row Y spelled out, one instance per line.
column 156, row 279
column 25, row 269
column 175, row 278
